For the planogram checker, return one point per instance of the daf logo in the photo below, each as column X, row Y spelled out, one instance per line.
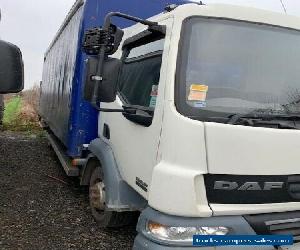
column 247, row 186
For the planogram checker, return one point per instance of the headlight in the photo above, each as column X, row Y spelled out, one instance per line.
column 182, row 234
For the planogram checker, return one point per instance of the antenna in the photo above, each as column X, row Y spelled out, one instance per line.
column 283, row 6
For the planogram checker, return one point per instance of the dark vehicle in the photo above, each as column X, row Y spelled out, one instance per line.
column 11, row 71
column 11, row 68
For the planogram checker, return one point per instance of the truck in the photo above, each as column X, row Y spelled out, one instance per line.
column 189, row 117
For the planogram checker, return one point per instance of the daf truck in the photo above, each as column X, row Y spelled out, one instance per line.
column 190, row 117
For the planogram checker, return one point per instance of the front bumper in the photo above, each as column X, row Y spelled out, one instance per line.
column 144, row 241
column 261, row 224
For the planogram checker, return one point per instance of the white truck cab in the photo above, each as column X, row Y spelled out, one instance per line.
column 213, row 144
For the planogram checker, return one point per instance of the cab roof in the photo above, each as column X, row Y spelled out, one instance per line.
column 234, row 12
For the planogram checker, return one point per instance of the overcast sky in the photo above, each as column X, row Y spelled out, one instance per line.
column 32, row 24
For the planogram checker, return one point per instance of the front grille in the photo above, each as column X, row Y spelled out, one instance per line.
column 288, row 226
column 276, row 223
column 249, row 189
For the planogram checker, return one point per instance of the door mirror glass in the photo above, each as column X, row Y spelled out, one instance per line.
column 11, row 68
column 107, row 89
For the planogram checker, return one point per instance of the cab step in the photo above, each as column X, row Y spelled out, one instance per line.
column 65, row 161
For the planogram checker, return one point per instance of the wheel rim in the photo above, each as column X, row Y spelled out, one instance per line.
column 97, row 195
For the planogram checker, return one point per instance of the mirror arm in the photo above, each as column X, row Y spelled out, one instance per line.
column 108, row 17
column 101, row 55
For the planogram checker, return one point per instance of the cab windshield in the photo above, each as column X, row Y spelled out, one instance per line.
column 229, row 67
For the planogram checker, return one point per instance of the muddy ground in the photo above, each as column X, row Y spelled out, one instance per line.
column 39, row 212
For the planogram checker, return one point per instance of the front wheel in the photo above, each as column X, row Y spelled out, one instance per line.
column 97, row 198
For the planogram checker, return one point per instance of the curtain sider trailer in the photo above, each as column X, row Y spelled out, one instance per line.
column 190, row 116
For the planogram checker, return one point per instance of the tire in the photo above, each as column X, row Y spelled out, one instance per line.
column 103, row 217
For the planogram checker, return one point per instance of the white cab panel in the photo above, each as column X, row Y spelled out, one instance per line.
column 177, row 185
column 241, row 150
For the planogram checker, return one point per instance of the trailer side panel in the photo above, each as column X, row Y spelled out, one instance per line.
column 59, row 67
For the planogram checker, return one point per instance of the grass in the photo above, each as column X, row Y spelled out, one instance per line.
column 12, row 110
column 20, row 116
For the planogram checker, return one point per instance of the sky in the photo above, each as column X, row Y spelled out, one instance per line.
column 32, row 24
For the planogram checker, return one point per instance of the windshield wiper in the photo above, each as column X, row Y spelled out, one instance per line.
column 275, row 124
column 252, row 118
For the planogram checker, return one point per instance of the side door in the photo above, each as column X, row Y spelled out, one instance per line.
column 141, row 85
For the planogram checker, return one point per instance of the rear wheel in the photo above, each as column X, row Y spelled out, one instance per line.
column 97, row 198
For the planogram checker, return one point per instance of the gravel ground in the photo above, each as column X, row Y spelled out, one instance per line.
column 38, row 212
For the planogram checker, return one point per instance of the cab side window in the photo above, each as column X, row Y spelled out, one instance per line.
column 138, row 82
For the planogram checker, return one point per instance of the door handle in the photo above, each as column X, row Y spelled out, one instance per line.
column 106, row 131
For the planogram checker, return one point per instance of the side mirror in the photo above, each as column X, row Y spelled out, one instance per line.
column 102, row 75
column 107, row 88
column 11, row 68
